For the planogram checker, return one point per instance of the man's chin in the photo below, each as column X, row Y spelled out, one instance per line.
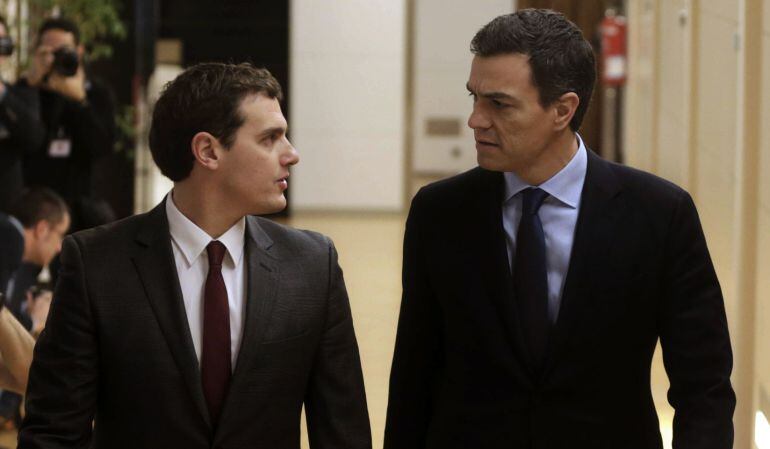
column 269, row 208
column 490, row 164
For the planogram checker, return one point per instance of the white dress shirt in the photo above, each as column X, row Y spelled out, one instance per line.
column 192, row 266
column 558, row 214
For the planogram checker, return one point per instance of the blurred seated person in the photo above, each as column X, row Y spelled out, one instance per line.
column 78, row 116
column 32, row 235
column 21, row 132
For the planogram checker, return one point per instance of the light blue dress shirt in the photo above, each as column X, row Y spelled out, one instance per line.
column 558, row 214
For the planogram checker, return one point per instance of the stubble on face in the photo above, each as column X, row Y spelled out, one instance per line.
column 511, row 127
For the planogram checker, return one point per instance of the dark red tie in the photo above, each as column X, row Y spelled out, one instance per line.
column 215, row 354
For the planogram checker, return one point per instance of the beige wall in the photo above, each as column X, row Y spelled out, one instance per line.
column 698, row 93
column 762, row 361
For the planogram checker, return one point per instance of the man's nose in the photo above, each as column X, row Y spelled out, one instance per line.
column 477, row 119
column 291, row 157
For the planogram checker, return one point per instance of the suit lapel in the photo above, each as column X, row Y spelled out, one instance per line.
column 261, row 285
column 497, row 271
column 600, row 208
column 154, row 262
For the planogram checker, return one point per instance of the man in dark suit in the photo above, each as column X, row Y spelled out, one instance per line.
column 77, row 116
column 537, row 285
column 197, row 325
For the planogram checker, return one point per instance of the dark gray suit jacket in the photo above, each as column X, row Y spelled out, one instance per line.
column 117, row 348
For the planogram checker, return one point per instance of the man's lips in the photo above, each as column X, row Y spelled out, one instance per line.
column 484, row 142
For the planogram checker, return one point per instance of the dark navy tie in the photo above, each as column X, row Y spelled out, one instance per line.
column 215, row 356
column 530, row 279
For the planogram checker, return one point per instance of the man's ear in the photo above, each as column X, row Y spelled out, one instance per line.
column 205, row 148
column 41, row 229
column 565, row 107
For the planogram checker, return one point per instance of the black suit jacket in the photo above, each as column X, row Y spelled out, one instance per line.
column 639, row 271
column 117, row 348
column 90, row 128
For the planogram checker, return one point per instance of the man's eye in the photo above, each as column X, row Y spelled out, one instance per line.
column 498, row 104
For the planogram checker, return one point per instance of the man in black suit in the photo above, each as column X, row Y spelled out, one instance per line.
column 78, row 121
column 537, row 285
column 198, row 325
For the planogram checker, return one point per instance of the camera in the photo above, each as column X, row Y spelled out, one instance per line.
column 65, row 62
column 6, row 46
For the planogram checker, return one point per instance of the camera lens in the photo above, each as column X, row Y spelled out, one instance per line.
column 65, row 62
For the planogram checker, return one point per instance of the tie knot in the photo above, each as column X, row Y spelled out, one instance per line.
column 533, row 199
column 216, row 251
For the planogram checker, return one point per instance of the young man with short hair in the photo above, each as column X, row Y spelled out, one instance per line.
column 199, row 325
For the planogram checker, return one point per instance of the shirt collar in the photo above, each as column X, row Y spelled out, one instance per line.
column 192, row 240
column 566, row 185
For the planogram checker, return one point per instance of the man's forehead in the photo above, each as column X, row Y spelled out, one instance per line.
column 56, row 36
column 498, row 72
column 263, row 111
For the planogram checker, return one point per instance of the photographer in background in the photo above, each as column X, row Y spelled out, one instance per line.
column 21, row 132
column 79, row 120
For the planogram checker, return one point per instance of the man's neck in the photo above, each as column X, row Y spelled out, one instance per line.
column 204, row 208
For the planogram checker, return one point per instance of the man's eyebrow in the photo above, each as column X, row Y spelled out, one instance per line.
column 273, row 130
column 492, row 95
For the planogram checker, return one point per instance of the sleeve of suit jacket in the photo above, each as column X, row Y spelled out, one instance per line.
column 62, row 390
column 335, row 402
column 416, row 360
column 694, row 337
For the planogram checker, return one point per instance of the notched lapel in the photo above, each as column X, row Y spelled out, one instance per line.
column 600, row 208
column 262, row 282
column 154, row 261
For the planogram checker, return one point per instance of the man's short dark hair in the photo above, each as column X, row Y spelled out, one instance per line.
column 4, row 23
column 39, row 203
column 205, row 97
column 560, row 57
column 59, row 23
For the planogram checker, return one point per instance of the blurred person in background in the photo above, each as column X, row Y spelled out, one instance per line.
column 78, row 119
column 21, row 131
column 31, row 236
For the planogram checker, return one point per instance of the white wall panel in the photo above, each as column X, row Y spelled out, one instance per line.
column 442, row 57
column 347, row 62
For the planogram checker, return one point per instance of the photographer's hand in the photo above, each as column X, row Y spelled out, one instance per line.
column 73, row 87
column 41, row 65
